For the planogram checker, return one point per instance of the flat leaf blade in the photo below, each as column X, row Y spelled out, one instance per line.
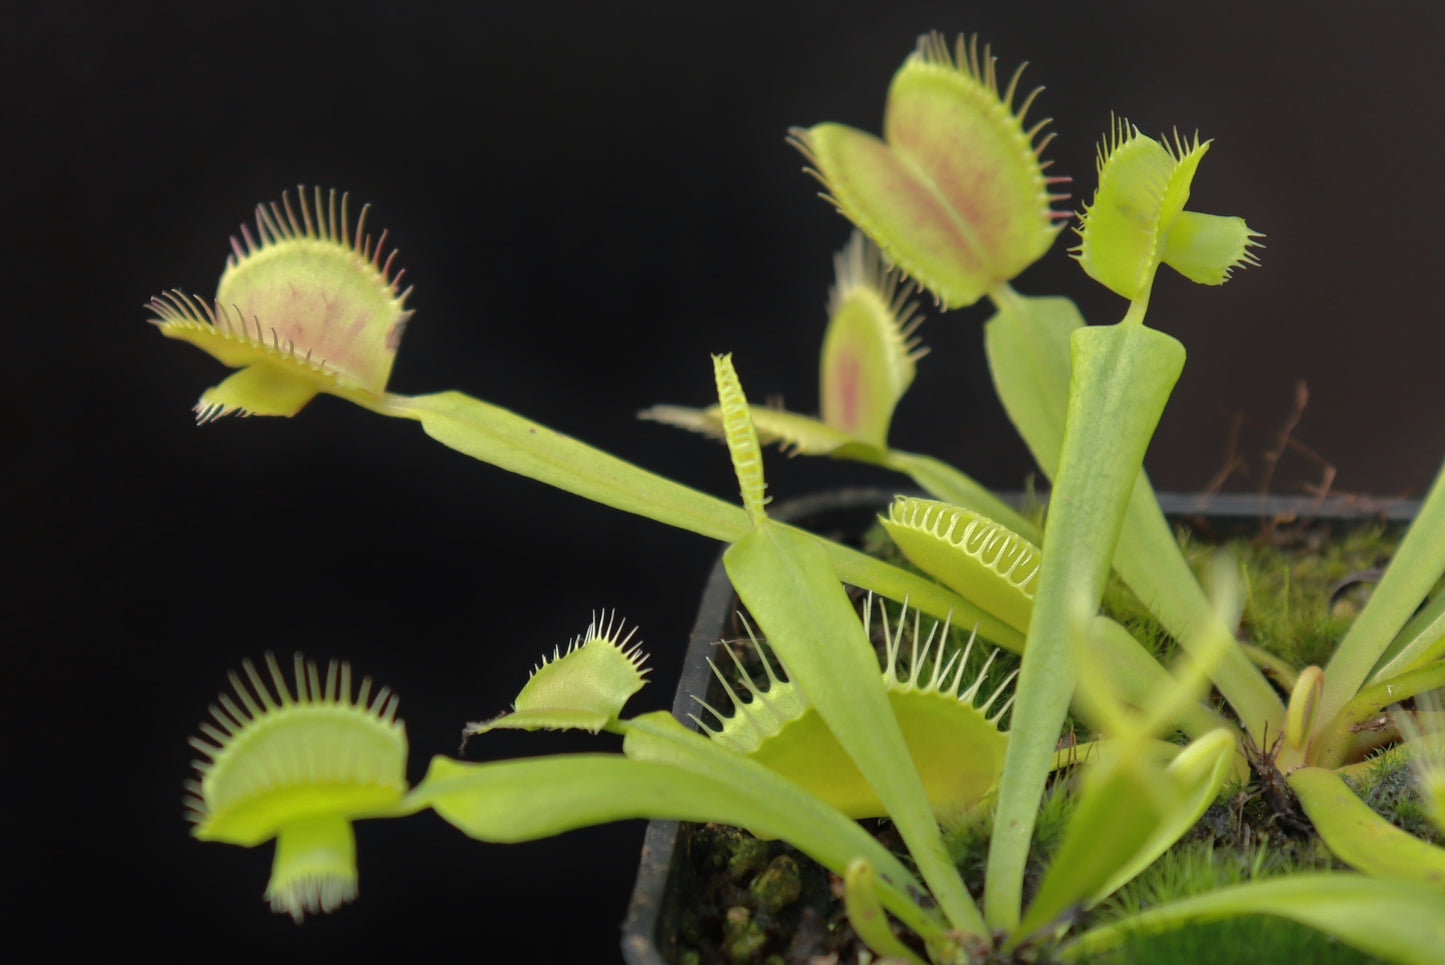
column 1395, row 920
column 1360, row 837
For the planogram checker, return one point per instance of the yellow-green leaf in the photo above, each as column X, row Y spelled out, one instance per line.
column 1393, row 920
column 1205, row 248
column 310, row 304
column 982, row 560
column 955, row 192
column 299, row 769
column 584, row 688
column 1137, row 219
column 867, row 916
column 869, row 348
column 1361, row 838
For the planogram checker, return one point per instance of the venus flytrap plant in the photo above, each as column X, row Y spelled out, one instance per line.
column 954, row 196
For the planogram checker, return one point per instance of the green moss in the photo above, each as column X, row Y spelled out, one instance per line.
column 778, row 886
column 1389, row 787
column 747, row 855
column 1124, row 607
column 1204, row 861
column 967, row 841
column 1289, row 580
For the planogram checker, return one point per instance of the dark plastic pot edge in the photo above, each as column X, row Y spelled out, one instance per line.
column 649, row 924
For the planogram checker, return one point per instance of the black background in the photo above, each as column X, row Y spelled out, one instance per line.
column 590, row 198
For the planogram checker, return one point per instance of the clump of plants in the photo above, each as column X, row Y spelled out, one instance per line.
column 955, row 200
